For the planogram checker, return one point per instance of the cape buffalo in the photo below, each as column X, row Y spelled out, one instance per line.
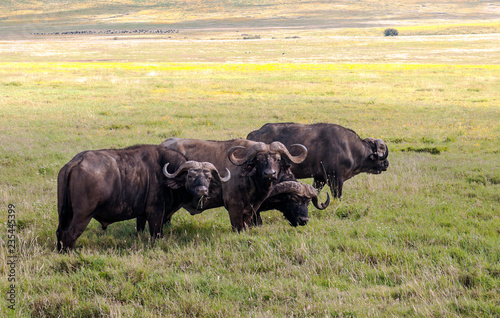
column 336, row 154
column 205, row 181
column 292, row 199
column 255, row 167
column 119, row 184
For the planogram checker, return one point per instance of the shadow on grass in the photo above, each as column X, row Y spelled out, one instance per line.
column 123, row 237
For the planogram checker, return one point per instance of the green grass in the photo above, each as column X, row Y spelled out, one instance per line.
column 419, row 240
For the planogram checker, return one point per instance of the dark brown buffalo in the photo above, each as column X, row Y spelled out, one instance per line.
column 120, row 184
column 255, row 168
column 336, row 154
column 204, row 180
column 292, row 199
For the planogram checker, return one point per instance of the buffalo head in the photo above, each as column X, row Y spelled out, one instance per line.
column 196, row 177
column 292, row 199
column 265, row 160
column 377, row 160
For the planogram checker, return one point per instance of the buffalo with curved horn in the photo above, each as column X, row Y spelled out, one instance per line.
column 254, row 171
column 195, row 181
column 200, row 180
column 336, row 154
column 260, row 147
column 292, row 198
column 113, row 185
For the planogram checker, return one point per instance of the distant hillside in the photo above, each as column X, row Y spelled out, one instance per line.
column 35, row 15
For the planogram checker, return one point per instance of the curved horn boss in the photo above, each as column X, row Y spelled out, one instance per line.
column 279, row 147
column 254, row 150
column 212, row 168
column 384, row 154
column 184, row 167
column 379, row 148
column 302, row 190
column 287, row 187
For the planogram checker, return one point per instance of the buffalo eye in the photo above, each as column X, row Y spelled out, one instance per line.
column 207, row 174
column 262, row 159
column 276, row 157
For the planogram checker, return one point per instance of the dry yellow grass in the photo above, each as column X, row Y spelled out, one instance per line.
column 39, row 15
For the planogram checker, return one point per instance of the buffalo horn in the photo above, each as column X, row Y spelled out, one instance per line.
column 381, row 150
column 302, row 190
column 275, row 146
column 278, row 146
column 321, row 206
column 232, row 157
column 211, row 167
column 313, row 194
column 185, row 166
column 386, row 154
column 288, row 187
column 254, row 150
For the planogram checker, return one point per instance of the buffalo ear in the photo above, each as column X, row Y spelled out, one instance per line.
column 285, row 162
column 175, row 183
column 214, row 181
column 286, row 167
column 371, row 142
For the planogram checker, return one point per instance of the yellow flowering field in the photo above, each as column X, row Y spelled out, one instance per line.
column 383, row 93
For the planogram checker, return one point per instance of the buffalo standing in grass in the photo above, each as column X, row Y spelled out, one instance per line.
column 336, row 154
column 120, row 184
column 292, row 199
column 255, row 168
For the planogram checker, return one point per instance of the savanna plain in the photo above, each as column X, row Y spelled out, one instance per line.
column 419, row 240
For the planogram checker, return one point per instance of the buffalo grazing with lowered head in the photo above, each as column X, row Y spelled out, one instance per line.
column 291, row 198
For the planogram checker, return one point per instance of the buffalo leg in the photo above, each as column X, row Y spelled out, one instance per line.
column 235, row 208
column 74, row 216
column 236, row 221
column 140, row 224
column 155, row 215
column 249, row 215
column 335, row 183
column 66, row 238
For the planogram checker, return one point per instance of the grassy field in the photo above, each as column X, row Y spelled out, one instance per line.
column 420, row 240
